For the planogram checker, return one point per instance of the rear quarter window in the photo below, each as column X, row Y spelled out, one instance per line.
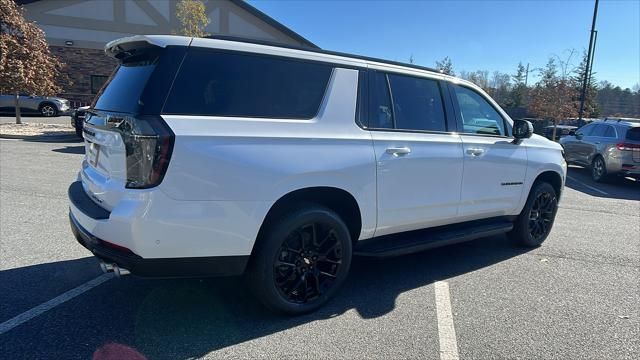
column 231, row 84
column 125, row 86
column 633, row 134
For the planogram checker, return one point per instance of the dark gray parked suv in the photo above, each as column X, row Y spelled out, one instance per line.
column 44, row 105
column 608, row 147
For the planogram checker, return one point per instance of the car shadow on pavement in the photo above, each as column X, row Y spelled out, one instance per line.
column 616, row 187
column 26, row 287
column 70, row 150
column 188, row 318
column 47, row 137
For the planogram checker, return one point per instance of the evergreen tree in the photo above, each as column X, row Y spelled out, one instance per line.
column 519, row 92
column 445, row 66
column 590, row 104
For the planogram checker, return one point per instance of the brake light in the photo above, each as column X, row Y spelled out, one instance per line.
column 149, row 143
column 627, row 146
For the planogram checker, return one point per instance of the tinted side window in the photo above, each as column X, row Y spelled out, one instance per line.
column 586, row 130
column 126, row 84
column 417, row 103
column 477, row 115
column 235, row 84
column 633, row 134
column 599, row 130
column 380, row 113
column 611, row 132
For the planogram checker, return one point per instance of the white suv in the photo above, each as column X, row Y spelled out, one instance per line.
column 213, row 157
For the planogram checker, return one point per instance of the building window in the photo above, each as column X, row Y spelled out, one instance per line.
column 96, row 83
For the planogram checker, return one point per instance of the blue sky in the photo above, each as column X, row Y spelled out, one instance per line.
column 477, row 35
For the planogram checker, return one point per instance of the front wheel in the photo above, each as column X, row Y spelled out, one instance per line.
column 301, row 260
column 48, row 110
column 534, row 223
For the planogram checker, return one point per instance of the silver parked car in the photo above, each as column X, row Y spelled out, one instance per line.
column 608, row 147
column 44, row 105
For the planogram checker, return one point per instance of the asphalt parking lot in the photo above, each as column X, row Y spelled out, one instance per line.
column 577, row 296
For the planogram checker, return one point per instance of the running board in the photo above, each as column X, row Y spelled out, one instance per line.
column 420, row 240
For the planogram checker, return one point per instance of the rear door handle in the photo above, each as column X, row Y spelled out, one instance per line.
column 475, row 151
column 397, row 151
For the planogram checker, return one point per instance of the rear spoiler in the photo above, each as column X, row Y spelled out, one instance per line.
column 122, row 47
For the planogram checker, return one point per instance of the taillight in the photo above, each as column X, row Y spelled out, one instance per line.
column 149, row 143
column 627, row 146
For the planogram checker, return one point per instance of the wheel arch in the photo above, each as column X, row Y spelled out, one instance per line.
column 553, row 178
column 336, row 199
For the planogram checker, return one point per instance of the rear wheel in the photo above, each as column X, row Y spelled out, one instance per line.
column 48, row 110
column 301, row 260
column 534, row 223
column 598, row 169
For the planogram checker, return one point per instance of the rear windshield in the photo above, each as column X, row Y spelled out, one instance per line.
column 633, row 134
column 122, row 91
column 218, row 83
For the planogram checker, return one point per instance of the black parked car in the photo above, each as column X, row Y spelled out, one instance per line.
column 561, row 131
column 77, row 119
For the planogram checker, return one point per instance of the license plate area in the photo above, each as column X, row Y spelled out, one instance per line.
column 93, row 153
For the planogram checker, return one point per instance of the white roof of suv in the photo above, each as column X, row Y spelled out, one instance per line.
column 254, row 46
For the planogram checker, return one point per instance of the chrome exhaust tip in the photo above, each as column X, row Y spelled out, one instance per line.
column 120, row 271
column 106, row 268
column 113, row 268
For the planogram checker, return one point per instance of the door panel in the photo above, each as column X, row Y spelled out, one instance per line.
column 494, row 173
column 419, row 179
column 494, row 166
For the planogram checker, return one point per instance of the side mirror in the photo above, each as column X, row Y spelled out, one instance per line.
column 579, row 135
column 572, row 133
column 522, row 129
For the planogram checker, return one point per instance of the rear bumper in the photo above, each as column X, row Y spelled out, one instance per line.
column 631, row 170
column 82, row 207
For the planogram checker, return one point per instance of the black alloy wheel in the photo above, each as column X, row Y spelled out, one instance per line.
column 301, row 259
column 541, row 215
column 535, row 221
column 308, row 262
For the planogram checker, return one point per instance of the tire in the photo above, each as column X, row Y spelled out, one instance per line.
column 293, row 283
column 48, row 110
column 79, row 132
column 534, row 223
column 599, row 169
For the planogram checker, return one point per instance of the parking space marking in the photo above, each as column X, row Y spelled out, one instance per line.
column 587, row 186
column 446, row 331
column 40, row 309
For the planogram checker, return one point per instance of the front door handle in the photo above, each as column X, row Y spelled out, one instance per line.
column 397, row 151
column 475, row 151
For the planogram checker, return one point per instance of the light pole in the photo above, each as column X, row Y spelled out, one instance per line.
column 589, row 65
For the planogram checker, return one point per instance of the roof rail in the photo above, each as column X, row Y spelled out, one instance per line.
column 318, row 50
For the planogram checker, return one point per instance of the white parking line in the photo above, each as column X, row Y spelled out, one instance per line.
column 446, row 331
column 587, row 186
column 40, row 309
